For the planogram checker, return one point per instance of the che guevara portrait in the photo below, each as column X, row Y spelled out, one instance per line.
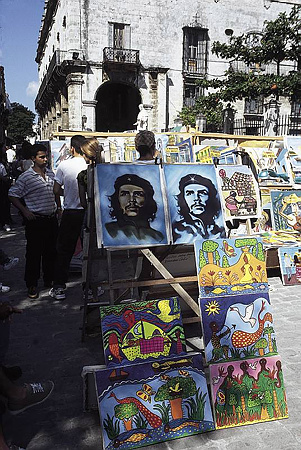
column 129, row 205
column 193, row 202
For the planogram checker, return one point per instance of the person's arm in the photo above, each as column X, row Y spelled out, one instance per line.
column 82, row 195
column 57, row 189
column 24, row 210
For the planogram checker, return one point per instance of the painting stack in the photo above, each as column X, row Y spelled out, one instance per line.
column 240, row 342
column 152, row 390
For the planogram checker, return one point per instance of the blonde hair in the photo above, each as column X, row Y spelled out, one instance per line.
column 91, row 148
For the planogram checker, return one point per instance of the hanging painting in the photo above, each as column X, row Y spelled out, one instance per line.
column 237, row 327
column 290, row 265
column 193, row 201
column 148, row 403
column 286, row 210
column 239, row 192
column 129, row 205
column 230, row 266
column 142, row 331
column 249, row 391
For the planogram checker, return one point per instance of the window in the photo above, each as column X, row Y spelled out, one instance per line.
column 296, row 107
column 254, row 105
column 119, row 36
column 195, row 50
column 191, row 93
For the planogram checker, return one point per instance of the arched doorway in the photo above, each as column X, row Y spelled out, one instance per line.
column 117, row 107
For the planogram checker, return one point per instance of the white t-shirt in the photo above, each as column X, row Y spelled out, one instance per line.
column 11, row 155
column 66, row 176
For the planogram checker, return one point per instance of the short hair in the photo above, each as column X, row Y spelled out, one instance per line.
column 76, row 142
column 145, row 142
column 193, row 178
column 147, row 211
column 35, row 148
column 26, row 150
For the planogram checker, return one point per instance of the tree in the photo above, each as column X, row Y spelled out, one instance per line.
column 279, row 41
column 175, row 390
column 268, row 331
column 261, row 345
column 20, row 122
column 210, row 247
column 126, row 412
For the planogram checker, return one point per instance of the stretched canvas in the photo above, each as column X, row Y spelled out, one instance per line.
column 286, row 210
column 230, row 266
column 142, row 331
column 249, row 391
column 193, row 202
column 239, row 192
column 238, row 327
column 148, row 403
column 293, row 145
column 60, row 150
column 290, row 265
column 129, row 205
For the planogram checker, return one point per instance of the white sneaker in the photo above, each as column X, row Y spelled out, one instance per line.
column 11, row 263
column 7, row 227
column 4, row 289
column 57, row 293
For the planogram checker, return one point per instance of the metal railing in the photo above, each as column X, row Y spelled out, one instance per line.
column 120, row 55
column 286, row 124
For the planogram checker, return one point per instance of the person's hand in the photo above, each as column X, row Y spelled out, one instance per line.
column 29, row 215
column 6, row 310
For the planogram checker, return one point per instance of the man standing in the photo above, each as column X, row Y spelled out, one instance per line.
column 35, row 186
column 199, row 208
column 73, row 215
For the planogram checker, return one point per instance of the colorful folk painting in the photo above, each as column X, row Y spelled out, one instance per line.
column 249, row 391
column 290, row 265
column 193, row 202
column 230, row 266
column 293, row 146
column 239, row 192
column 148, row 403
column 238, row 327
column 142, row 331
column 129, row 206
column 286, row 210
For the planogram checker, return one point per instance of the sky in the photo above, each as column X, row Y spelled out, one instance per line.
column 20, row 22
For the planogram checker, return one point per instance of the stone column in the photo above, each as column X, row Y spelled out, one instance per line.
column 64, row 109
column 89, row 108
column 74, row 83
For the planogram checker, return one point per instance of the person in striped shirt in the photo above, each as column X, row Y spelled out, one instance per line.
column 35, row 186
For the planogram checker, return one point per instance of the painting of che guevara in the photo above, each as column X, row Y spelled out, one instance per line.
column 129, row 206
column 194, row 203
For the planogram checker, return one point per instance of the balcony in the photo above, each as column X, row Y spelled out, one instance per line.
column 113, row 56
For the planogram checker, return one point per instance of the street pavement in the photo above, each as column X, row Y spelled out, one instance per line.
column 46, row 343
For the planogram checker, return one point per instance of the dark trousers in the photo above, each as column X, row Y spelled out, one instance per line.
column 69, row 232
column 41, row 236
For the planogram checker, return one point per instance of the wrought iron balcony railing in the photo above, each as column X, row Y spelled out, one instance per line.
column 121, row 56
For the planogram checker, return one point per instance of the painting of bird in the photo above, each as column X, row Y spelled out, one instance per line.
column 247, row 318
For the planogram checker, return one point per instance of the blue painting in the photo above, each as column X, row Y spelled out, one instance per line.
column 148, row 403
column 129, row 206
column 238, row 327
column 286, row 210
column 290, row 265
column 230, row 266
column 194, row 204
column 142, row 331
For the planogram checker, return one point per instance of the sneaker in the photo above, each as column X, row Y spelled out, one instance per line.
column 11, row 263
column 36, row 393
column 7, row 227
column 57, row 293
column 4, row 289
column 32, row 292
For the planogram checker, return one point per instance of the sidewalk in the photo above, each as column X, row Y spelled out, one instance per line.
column 46, row 342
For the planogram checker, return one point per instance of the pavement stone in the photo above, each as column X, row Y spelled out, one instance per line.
column 46, row 342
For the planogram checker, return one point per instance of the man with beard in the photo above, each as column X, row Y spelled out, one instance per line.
column 199, row 208
column 133, row 208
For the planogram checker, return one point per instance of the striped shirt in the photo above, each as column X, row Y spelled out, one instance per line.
column 37, row 192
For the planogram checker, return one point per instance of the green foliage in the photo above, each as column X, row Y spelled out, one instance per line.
column 125, row 410
column 245, row 242
column 140, row 422
column 268, row 330
column 225, row 262
column 112, row 427
column 20, row 122
column 261, row 343
column 202, row 259
column 176, row 387
column 164, row 410
column 249, row 352
column 235, row 353
column 209, row 246
column 210, row 106
column 260, row 254
column 196, row 406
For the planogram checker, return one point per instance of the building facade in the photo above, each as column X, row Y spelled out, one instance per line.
column 98, row 61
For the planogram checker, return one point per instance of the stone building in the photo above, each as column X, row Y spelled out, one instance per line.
column 98, row 61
